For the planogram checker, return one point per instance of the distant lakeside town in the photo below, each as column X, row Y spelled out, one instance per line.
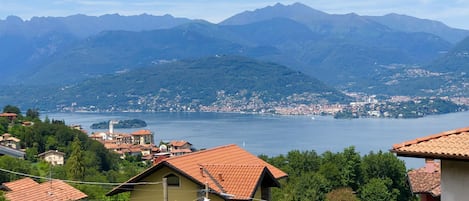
column 365, row 106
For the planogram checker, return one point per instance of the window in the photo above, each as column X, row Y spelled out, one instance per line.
column 172, row 180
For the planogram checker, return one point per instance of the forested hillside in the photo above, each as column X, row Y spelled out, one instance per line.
column 190, row 85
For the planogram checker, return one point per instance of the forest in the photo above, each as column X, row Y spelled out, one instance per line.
column 341, row 176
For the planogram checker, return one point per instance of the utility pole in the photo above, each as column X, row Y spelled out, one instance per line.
column 206, row 192
column 165, row 189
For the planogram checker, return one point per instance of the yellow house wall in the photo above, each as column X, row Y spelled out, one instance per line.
column 187, row 190
column 258, row 193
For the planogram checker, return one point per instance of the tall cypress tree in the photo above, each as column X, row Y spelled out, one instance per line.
column 75, row 166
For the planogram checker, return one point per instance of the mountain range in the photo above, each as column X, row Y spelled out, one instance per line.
column 387, row 55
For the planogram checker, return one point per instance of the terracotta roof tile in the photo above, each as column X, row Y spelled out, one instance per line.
column 238, row 180
column 8, row 115
column 450, row 145
column 55, row 190
column 20, row 184
column 229, row 154
column 426, row 180
column 141, row 132
column 233, row 170
column 111, row 146
column 178, row 143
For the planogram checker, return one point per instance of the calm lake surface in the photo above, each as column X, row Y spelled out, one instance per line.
column 274, row 135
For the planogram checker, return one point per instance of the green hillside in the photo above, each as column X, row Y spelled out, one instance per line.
column 196, row 83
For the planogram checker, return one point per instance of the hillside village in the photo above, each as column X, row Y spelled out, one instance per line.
column 139, row 144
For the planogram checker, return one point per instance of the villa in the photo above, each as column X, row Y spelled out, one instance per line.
column 217, row 174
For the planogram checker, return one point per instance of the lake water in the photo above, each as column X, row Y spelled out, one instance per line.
column 273, row 135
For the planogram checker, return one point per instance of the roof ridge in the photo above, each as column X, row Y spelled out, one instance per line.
column 238, row 165
column 431, row 137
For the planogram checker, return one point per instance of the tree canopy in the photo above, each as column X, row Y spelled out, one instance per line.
column 331, row 176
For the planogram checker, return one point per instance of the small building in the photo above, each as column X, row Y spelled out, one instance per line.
column 9, row 116
column 228, row 172
column 54, row 157
column 9, row 141
column 142, row 137
column 28, row 189
column 179, row 147
column 452, row 149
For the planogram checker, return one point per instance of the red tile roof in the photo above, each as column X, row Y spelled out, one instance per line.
column 233, row 170
column 20, row 184
column 8, row 115
column 55, row 190
column 141, row 132
column 446, row 145
column 238, row 180
column 426, row 179
column 179, row 143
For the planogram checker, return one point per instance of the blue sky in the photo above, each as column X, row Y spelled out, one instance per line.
column 454, row 13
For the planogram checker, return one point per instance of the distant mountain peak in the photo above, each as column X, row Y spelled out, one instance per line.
column 14, row 19
column 406, row 23
column 294, row 11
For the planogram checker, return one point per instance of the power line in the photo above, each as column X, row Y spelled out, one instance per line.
column 79, row 182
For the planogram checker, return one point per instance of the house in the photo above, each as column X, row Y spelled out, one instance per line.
column 9, row 116
column 228, row 172
column 179, row 147
column 425, row 181
column 28, row 189
column 54, row 157
column 9, row 141
column 452, row 149
column 142, row 137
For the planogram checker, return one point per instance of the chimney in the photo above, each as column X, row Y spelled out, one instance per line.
column 430, row 165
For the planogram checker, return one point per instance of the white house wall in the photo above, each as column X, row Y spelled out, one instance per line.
column 454, row 180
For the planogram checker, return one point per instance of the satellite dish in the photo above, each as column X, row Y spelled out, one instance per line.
column 163, row 148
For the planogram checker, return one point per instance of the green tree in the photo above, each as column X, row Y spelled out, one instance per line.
column 341, row 194
column 300, row 162
column 310, row 186
column 342, row 169
column 386, row 166
column 75, row 163
column 377, row 190
column 4, row 125
column 11, row 109
column 17, row 165
column 32, row 114
column 32, row 152
column 51, row 143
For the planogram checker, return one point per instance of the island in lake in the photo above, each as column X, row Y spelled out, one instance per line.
column 130, row 123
